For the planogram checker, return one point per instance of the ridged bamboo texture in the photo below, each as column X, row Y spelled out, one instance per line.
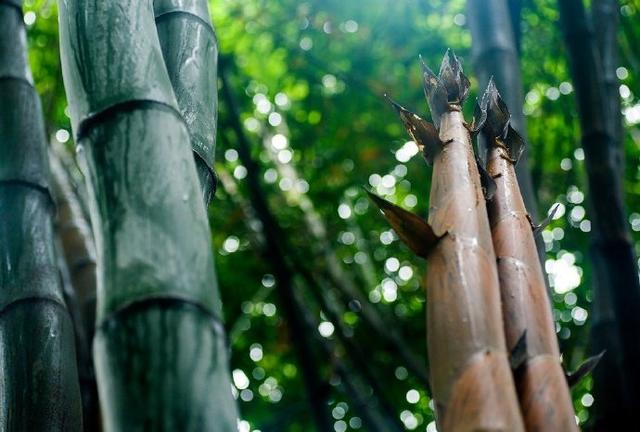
column 38, row 376
column 543, row 390
column 470, row 374
column 190, row 51
column 159, row 349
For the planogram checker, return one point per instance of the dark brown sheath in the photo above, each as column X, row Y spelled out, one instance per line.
column 470, row 374
column 544, row 393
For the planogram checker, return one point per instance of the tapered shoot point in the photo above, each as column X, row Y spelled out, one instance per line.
column 423, row 133
column 494, row 115
column 587, row 366
column 537, row 229
column 414, row 232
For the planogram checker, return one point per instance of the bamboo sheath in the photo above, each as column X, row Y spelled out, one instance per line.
column 159, row 349
column 469, row 364
column 39, row 382
column 544, row 393
column 470, row 375
column 190, row 51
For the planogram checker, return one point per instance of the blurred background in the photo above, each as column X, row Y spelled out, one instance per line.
column 306, row 81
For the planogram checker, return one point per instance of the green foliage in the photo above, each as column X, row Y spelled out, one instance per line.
column 311, row 77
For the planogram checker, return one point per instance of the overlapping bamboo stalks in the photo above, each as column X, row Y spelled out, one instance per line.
column 486, row 293
column 38, row 376
column 470, row 371
column 159, row 346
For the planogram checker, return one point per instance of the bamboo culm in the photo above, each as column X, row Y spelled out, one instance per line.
column 616, row 286
column 190, row 52
column 545, row 399
column 77, row 250
column 39, row 382
column 159, row 348
column 275, row 253
column 495, row 54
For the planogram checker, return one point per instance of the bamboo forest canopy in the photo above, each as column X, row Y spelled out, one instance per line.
column 302, row 113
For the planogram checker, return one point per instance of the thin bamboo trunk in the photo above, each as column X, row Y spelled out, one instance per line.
column 274, row 253
column 606, row 18
column 190, row 51
column 358, row 358
column 365, row 403
column 77, row 242
column 609, row 379
column 544, row 394
column 78, row 251
column 375, row 419
column 39, row 380
column 341, row 279
column 159, row 348
column 470, row 375
column 616, row 288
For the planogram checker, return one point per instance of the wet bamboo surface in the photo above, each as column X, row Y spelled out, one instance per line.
column 39, row 380
column 159, row 348
column 190, row 51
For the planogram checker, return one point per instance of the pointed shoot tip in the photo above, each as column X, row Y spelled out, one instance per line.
column 399, row 108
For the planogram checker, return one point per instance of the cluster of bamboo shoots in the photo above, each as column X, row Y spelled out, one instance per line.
column 493, row 353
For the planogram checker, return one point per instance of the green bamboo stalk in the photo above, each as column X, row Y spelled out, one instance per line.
column 190, row 51
column 275, row 253
column 472, row 383
column 495, row 54
column 78, row 263
column 76, row 239
column 39, row 381
column 544, row 394
column 616, row 316
column 159, row 348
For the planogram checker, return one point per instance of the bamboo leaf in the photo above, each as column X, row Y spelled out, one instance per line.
column 537, row 229
column 479, row 115
column 435, row 92
column 415, row 232
column 587, row 366
column 421, row 131
column 515, row 143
